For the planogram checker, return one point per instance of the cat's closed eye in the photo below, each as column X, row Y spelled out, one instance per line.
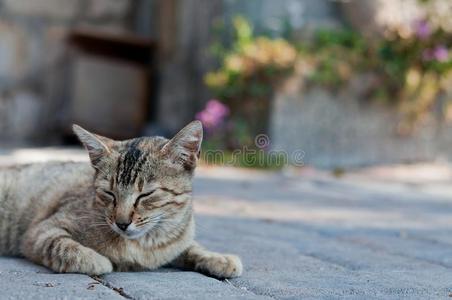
column 144, row 196
column 106, row 196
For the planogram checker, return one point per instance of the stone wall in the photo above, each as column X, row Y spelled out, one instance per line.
column 336, row 129
column 34, row 60
column 340, row 129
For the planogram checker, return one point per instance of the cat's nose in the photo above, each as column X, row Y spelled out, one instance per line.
column 123, row 226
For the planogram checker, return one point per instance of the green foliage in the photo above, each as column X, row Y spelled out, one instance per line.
column 334, row 57
column 251, row 66
column 249, row 71
column 411, row 72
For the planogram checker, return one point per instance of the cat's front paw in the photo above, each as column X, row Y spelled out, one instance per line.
column 86, row 261
column 99, row 265
column 223, row 266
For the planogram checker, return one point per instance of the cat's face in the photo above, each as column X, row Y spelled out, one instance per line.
column 145, row 183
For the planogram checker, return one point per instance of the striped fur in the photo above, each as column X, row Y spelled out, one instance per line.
column 65, row 215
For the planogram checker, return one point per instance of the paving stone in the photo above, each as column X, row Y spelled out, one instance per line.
column 20, row 279
column 287, row 260
column 169, row 284
column 299, row 238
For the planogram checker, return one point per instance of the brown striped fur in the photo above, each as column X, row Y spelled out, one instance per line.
column 67, row 216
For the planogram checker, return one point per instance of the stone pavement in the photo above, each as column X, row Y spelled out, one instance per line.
column 380, row 233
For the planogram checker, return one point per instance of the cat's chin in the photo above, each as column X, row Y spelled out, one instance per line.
column 134, row 235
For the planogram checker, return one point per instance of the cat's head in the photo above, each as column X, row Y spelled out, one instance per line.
column 144, row 183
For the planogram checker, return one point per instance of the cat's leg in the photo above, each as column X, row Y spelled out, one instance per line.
column 52, row 246
column 211, row 263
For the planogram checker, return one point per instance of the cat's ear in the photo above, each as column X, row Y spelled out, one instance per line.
column 184, row 148
column 96, row 145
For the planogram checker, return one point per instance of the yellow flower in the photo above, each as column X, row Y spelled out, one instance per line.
column 216, row 79
column 234, row 63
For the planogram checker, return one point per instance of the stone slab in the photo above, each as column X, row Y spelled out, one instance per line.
column 299, row 236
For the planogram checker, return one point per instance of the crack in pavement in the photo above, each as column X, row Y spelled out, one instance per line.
column 107, row 284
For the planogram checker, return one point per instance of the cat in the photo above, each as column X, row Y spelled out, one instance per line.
column 129, row 209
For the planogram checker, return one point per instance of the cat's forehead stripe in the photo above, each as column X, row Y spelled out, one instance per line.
column 130, row 162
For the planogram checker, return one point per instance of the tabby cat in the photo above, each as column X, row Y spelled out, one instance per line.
column 130, row 209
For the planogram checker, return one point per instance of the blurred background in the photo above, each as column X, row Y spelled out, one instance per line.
column 350, row 101
column 332, row 84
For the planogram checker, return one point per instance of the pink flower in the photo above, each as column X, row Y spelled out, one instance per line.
column 422, row 29
column 439, row 53
column 213, row 115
